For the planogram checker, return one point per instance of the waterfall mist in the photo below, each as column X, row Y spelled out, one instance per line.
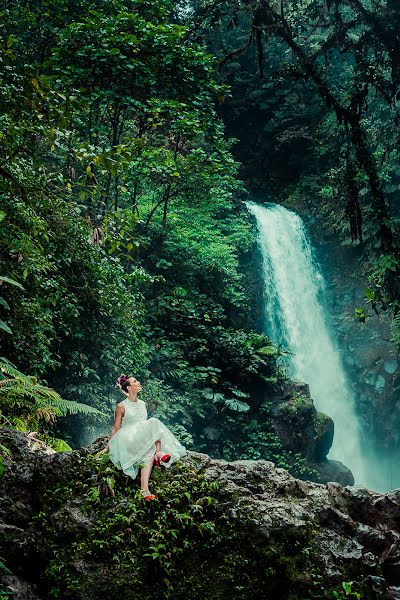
column 295, row 318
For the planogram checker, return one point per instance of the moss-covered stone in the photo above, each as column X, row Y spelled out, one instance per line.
column 126, row 547
column 217, row 530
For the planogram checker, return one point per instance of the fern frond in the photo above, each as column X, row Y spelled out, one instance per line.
column 34, row 392
column 395, row 325
column 3, row 567
column 72, row 407
column 7, row 368
column 47, row 413
column 5, row 382
column 47, row 403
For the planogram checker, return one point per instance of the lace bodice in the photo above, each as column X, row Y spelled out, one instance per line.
column 134, row 412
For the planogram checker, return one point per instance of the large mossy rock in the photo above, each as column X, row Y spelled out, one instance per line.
column 304, row 431
column 75, row 528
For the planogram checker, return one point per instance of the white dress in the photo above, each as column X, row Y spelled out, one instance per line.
column 133, row 445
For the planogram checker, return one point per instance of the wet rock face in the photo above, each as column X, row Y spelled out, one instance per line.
column 368, row 353
column 310, row 533
column 367, row 350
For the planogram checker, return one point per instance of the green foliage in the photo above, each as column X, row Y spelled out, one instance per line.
column 261, row 442
column 124, row 222
column 384, row 285
column 162, row 548
column 4, row 570
column 315, row 125
column 4, row 451
column 3, row 302
column 70, row 322
column 26, row 404
column 360, row 314
column 232, row 403
column 134, row 539
column 347, row 589
column 396, row 328
column 346, row 592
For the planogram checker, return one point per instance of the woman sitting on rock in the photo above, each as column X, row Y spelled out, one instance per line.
column 138, row 442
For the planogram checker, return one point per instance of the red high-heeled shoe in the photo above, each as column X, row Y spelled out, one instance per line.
column 147, row 495
column 161, row 461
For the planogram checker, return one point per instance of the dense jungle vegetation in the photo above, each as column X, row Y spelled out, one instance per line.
column 130, row 131
column 315, row 108
column 123, row 237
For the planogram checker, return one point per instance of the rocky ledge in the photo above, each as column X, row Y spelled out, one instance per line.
column 74, row 528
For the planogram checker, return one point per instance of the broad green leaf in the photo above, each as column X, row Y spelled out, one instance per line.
column 4, row 303
column 5, row 327
column 238, row 393
column 268, row 351
column 237, row 405
column 5, row 279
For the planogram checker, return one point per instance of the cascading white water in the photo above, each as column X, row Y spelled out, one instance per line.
column 296, row 320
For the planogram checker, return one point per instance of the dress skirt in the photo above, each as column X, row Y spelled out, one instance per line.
column 133, row 445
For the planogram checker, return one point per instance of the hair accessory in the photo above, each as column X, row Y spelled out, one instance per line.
column 121, row 379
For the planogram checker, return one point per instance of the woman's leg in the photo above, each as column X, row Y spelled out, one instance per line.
column 145, row 475
column 158, row 449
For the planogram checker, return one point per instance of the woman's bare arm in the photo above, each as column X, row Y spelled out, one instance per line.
column 119, row 413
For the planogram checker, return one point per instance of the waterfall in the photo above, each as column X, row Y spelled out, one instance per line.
column 295, row 319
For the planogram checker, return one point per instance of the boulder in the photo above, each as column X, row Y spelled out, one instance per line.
column 304, row 431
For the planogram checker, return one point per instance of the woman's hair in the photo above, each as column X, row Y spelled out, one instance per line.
column 123, row 382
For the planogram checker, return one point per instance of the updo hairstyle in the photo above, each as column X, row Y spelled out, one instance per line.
column 125, row 385
column 123, row 382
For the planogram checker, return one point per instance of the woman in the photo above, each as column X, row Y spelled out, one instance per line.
column 136, row 441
